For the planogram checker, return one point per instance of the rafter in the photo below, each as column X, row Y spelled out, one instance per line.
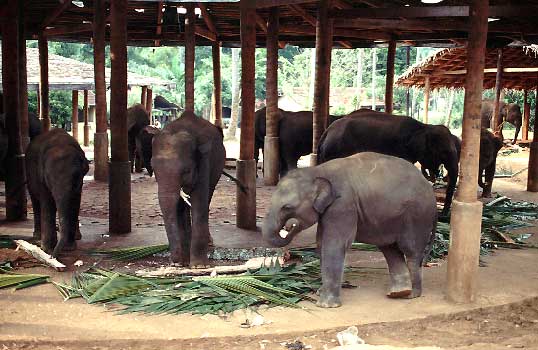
column 262, row 24
column 271, row 3
column 208, row 19
column 55, row 13
column 205, row 33
column 159, row 28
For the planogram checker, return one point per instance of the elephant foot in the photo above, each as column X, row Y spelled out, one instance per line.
column 400, row 288
column 70, row 246
column 177, row 259
column 328, row 301
column 486, row 194
column 199, row 262
column 399, row 293
column 414, row 294
column 78, row 235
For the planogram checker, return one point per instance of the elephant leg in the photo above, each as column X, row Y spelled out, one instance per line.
column 138, row 162
column 399, row 273
column 172, row 211
column 517, row 133
column 333, row 253
column 48, row 223
column 68, row 211
column 131, row 145
column 415, row 270
column 489, row 175
column 36, row 205
column 200, row 228
column 481, row 178
column 185, row 231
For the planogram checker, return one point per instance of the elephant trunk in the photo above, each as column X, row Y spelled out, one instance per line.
column 271, row 228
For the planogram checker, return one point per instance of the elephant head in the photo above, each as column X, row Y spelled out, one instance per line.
column 297, row 204
column 512, row 114
column 432, row 146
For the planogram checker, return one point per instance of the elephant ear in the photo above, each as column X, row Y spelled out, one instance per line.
column 324, row 195
column 417, row 145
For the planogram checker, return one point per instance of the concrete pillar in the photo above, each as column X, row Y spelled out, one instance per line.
column 271, row 152
column 526, row 117
column 23, row 80
column 74, row 114
column 119, row 195
column 100, row 138
column 14, row 163
column 246, row 165
column 466, row 213
column 86, row 125
column 217, row 85
column 44, row 82
column 495, row 120
column 190, row 46
column 532, row 180
column 389, row 85
column 323, row 66
column 426, row 99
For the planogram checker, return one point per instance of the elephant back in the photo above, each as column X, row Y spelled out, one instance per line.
column 137, row 117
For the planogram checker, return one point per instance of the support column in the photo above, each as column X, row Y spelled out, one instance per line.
column 407, row 92
column 23, row 80
column 495, row 120
column 100, row 138
column 526, row 117
column 389, row 85
column 426, row 99
column 323, row 66
column 190, row 46
column 149, row 104
column 246, row 165
column 143, row 95
column 15, row 169
column 466, row 215
column 119, row 195
column 86, row 125
column 44, row 82
column 74, row 114
column 217, row 85
column 532, row 180
column 271, row 156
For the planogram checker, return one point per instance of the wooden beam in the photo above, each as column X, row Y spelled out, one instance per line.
column 149, row 104
column 143, row 95
column 74, row 114
column 217, row 85
column 496, row 119
column 190, row 46
column 208, row 19
column 271, row 3
column 64, row 4
column 159, row 28
column 466, row 213
column 204, row 33
column 389, row 83
column 403, row 24
column 343, row 32
column 80, row 28
column 44, row 82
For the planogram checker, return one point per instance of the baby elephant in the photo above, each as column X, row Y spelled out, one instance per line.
column 55, row 168
column 368, row 197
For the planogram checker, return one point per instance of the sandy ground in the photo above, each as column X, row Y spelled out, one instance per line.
column 36, row 318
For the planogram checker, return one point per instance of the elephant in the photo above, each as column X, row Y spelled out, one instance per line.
column 137, row 119
column 368, row 197
column 399, row 136
column 489, row 148
column 295, row 136
column 432, row 174
column 144, row 141
column 55, row 168
column 188, row 158
column 509, row 112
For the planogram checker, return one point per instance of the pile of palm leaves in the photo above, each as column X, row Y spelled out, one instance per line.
column 18, row 280
column 272, row 285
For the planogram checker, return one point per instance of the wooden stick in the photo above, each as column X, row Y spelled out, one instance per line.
column 253, row 263
column 40, row 255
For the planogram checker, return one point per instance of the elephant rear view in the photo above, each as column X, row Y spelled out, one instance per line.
column 137, row 119
column 144, row 141
column 55, row 168
column 188, row 157
column 399, row 136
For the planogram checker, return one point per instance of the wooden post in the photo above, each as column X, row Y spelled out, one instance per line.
column 86, row 125
column 44, row 82
column 143, row 95
column 246, row 165
column 532, row 180
column 100, row 138
column 271, row 156
column 14, row 162
column 389, row 85
column 23, row 80
column 495, row 119
column 373, row 85
column 466, row 214
column 119, row 195
column 321, row 91
column 426, row 98
column 526, row 117
column 217, row 85
column 74, row 114
column 190, row 46
column 149, row 104
column 407, row 92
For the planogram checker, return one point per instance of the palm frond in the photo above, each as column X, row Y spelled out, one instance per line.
column 20, row 281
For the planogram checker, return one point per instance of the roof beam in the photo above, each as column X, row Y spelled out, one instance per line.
column 159, row 28
column 205, row 33
column 432, row 11
column 81, row 28
column 208, row 19
column 271, row 3
column 399, row 24
column 64, row 4
column 262, row 24
column 308, row 30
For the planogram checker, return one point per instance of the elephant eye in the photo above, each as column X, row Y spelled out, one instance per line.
column 287, row 207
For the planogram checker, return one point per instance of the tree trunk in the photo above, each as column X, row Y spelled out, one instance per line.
column 358, row 83
column 450, row 106
column 236, row 81
column 374, row 63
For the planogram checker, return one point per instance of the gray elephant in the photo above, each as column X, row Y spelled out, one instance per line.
column 431, row 174
column 509, row 112
column 188, row 158
column 137, row 119
column 55, row 168
column 399, row 136
column 368, row 197
column 489, row 148
column 144, row 141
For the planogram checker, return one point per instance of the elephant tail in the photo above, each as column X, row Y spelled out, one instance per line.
column 238, row 183
column 429, row 246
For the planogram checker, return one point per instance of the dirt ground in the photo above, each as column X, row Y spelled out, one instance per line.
column 505, row 314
